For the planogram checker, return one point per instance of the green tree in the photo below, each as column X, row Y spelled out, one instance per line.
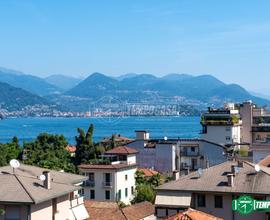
column 144, row 192
column 155, row 180
column 9, row 151
column 48, row 151
column 140, row 178
column 85, row 148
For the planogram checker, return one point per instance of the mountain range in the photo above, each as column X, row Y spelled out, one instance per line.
column 77, row 94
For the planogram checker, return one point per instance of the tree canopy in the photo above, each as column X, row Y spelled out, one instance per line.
column 48, row 151
column 9, row 151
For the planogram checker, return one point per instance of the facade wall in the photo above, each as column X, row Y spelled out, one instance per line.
column 226, row 212
column 42, row 210
column 63, row 207
column 131, row 159
column 246, row 117
column 165, row 158
column 212, row 153
column 123, row 184
column 222, row 134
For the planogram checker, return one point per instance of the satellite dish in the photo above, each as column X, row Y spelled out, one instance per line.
column 14, row 164
column 200, row 172
column 165, row 138
column 257, row 168
column 42, row 177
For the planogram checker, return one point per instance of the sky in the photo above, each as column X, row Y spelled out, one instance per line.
column 229, row 39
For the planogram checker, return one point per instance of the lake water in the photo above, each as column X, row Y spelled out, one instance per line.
column 27, row 129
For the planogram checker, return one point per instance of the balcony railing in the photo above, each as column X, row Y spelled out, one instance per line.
column 78, row 200
column 190, row 153
column 107, row 184
column 89, row 183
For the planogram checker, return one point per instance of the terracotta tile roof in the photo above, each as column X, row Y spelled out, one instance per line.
column 103, row 210
column 108, row 166
column 148, row 172
column 139, row 210
column 122, row 150
column 192, row 214
column 265, row 162
column 71, row 148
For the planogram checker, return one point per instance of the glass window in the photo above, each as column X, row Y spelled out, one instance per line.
column 126, row 192
column 91, row 176
column 132, row 190
column 92, row 194
column 126, row 177
column 119, row 194
column 193, row 149
column 218, row 201
column 107, row 195
column 201, row 200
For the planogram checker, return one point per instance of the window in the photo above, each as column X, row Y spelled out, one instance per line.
column 132, row 190
column 218, row 201
column 126, row 192
column 193, row 149
column 228, row 138
column 91, row 177
column 107, row 195
column 107, row 178
column 119, row 194
column 201, row 200
column 126, row 177
column 228, row 129
column 92, row 194
column 81, row 192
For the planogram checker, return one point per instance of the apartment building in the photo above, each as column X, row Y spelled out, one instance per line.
column 25, row 195
column 212, row 191
column 222, row 125
column 168, row 155
column 113, row 181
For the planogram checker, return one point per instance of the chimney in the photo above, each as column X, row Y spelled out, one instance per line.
column 175, row 175
column 142, row 135
column 230, row 177
column 47, row 181
column 233, row 169
column 240, row 163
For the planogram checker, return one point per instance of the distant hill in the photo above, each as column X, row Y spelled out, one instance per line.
column 200, row 90
column 12, row 98
column 29, row 83
column 62, row 81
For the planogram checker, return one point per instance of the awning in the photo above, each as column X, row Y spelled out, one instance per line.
column 173, row 199
column 80, row 212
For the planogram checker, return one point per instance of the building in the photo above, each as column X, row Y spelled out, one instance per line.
column 212, row 190
column 168, row 155
column 24, row 196
column 113, row 180
column 111, row 211
column 222, row 125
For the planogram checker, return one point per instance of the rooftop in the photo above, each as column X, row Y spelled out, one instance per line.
column 214, row 179
column 148, row 172
column 100, row 210
column 122, row 150
column 192, row 214
column 71, row 148
column 24, row 186
column 265, row 162
column 107, row 166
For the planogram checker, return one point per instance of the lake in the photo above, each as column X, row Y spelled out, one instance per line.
column 27, row 129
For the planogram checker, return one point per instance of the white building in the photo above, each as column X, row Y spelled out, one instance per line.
column 175, row 154
column 222, row 126
column 114, row 181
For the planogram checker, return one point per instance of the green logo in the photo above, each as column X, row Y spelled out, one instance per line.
column 246, row 205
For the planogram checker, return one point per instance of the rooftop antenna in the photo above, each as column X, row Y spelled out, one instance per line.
column 257, row 168
column 14, row 164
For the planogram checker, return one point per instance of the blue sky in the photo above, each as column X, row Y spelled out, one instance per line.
column 229, row 39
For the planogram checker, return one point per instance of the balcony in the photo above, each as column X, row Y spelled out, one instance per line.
column 107, row 184
column 189, row 153
column 89, row 183
column 78, row 200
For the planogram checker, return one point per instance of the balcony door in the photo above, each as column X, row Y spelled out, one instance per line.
column 107, row 178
